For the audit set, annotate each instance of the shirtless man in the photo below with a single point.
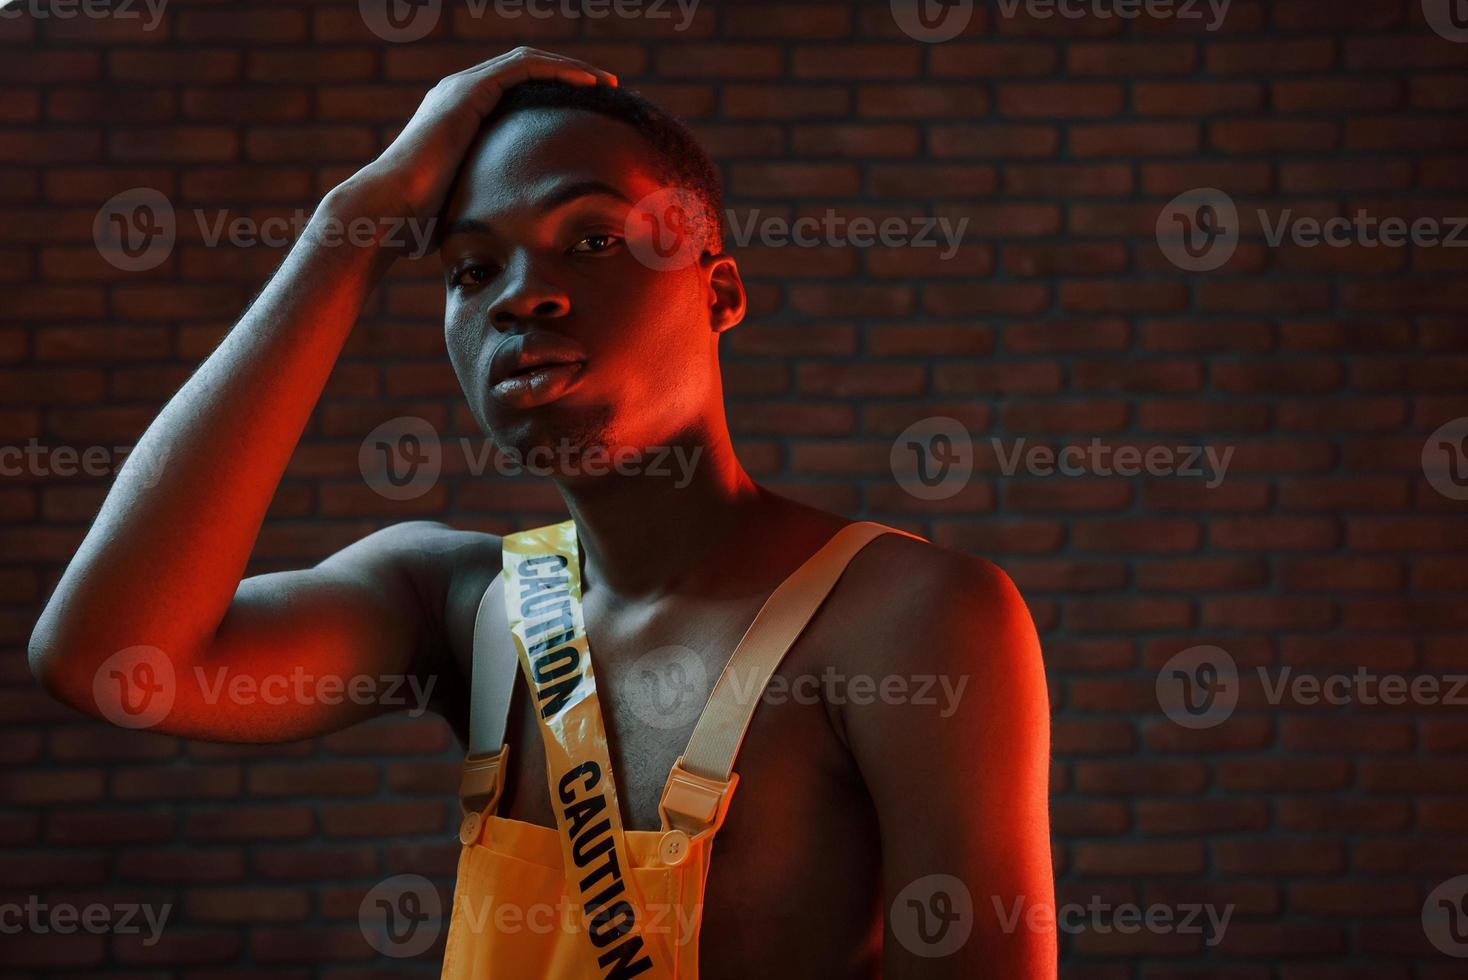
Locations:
(841, 803)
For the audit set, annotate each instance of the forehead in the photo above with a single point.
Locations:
(523, 158)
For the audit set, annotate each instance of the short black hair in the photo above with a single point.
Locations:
(681, 161)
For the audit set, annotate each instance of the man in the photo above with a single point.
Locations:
(564, 335)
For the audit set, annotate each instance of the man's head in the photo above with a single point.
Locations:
(584, 229)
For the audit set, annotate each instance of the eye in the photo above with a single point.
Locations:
(471, 274)
(600, 242)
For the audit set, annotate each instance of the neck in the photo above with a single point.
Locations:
(644, 534)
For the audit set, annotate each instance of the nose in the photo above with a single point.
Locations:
(528, 294)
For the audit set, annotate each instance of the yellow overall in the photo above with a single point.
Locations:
(632, 905)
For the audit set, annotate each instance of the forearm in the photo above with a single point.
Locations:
(164, 557)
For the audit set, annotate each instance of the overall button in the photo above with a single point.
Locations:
(469, 828)
(673, 847)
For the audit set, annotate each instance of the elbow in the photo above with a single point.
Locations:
(55, 663)
(45, 660)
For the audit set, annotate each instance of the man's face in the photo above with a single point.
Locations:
(559, 334)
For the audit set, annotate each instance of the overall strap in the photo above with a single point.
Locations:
(542, 594)
(702, 780)
(491, 685)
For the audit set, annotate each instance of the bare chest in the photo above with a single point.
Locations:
(800, 835)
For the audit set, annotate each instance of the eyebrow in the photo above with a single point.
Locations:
(559, 198)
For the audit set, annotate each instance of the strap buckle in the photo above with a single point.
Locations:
(480, 784)
(695, 804)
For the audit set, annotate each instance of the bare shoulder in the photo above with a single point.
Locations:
(906, 603)
(443, 568)
(954, 750)
(426, 556)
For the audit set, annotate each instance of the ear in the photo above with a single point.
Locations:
(726, 298)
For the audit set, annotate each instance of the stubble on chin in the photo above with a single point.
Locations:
(590, 430)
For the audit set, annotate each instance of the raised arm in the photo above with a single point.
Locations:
(162, 564)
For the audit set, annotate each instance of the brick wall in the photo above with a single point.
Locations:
(1063, 318)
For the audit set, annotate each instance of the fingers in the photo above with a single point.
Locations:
(524, 64)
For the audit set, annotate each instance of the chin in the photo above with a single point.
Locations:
(558, 428)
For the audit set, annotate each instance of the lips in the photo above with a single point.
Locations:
(522, 353)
